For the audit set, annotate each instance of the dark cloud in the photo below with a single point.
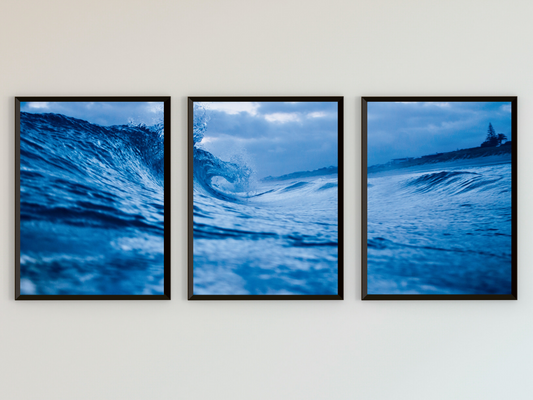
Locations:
(303, 107)
(276, 138)
(398, 130)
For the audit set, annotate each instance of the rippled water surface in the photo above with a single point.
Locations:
(441, 228)
(275, 236)
(92, 208)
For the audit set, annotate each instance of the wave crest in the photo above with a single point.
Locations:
(65, 160)
(451, 182)
(200, 120)
(207, 166)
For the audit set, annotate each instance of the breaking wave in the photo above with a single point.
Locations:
(88, 189)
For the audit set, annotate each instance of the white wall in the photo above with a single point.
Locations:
(266, 350)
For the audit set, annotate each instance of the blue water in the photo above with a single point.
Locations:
(91, 207)
(441, 228)
(271, 236)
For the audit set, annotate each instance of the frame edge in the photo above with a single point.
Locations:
(190, 176)
(190, 198)
(17, 199)
(364, 198)
(514, 202)
(166, 100)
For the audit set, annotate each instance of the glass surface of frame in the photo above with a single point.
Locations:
(265, 198)
(439, 190)
(92, 191)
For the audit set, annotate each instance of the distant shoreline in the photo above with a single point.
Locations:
(303, 174)
(464, 154)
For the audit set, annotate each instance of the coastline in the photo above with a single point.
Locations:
(454, 159)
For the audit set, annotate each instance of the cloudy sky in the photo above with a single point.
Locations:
(397, 130)
(101, 113)
(274, 138)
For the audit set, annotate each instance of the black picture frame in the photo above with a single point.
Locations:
(365, 103)
(165, 131)
(339, 100)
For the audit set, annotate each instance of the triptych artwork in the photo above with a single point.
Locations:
(265, 198)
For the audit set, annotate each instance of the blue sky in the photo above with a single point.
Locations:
(412, 129)
(101, 112)
(274, 138)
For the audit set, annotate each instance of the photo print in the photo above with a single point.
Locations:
(439, 198)
(92, 183)
(265, 198)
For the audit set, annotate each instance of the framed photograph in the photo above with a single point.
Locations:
(265, 198)
(439, 187)
(92, 191)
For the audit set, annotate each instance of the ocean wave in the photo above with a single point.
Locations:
(83, 186)
(207, 166)
(85, 174)
(440, 231)
(251, 236)
(237, 184)
(450, 182)
(90, 148)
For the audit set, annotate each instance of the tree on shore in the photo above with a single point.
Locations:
(501, 138)
(492, 138)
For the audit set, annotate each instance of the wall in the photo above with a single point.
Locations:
(266, 350)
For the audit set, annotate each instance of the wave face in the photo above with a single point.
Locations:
(276, 236)
(92, 207)
(440, 231)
